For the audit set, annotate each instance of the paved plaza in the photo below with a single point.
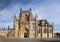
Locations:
(2, 39)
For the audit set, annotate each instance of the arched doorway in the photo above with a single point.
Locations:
(26, 34)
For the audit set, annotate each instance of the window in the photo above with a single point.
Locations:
(50, 30)
(46, 24)
(43, 23)
(45, 30)
(39, 31)
(27, 18)
(33, 25)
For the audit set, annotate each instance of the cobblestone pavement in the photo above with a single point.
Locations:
(2, 39)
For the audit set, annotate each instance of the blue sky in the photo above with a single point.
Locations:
(45, 9)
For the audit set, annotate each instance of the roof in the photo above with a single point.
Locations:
(46, 22)
(26, 11)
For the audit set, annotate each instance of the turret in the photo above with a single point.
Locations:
(8, 27)
(30, 10)
(4, 28)
(14, 21)
(15, 17)
(20, 10)
(36, 25)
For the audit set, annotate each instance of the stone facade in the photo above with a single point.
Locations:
(7, 33)
(27, 26)
(3, 32)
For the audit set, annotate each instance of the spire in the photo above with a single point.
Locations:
(20, 9)
(30, 10)
(4, 28)
(15, 16)
(8, 27)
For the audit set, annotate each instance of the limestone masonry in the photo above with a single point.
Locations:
(28, 26)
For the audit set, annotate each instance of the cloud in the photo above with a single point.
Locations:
(7, 15)
(5, 3)
(5, 25)
(49, 9)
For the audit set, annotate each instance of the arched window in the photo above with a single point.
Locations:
(27, 18)
(39, 31)
(33, 25)
(45, 30)
(50, 30)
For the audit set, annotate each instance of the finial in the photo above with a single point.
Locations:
(8, 27)
(4, 28)
(15, 16)
(20, 9)
(30, 9)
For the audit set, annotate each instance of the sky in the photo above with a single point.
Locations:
(45, 9)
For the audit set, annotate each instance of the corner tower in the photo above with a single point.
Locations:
(25, 21)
